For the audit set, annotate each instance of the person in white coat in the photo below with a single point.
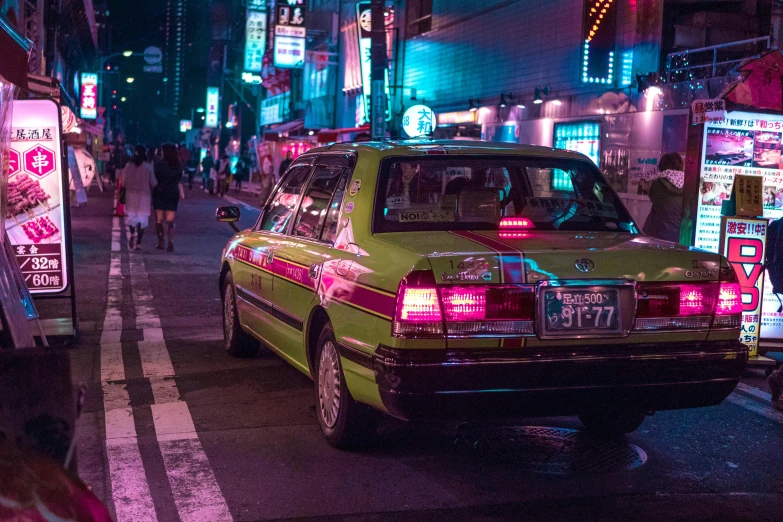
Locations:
(138, 180)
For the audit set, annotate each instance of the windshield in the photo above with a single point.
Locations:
(464, 192)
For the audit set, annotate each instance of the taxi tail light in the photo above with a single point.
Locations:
(666, 306)
(425, 309)
(418, 312)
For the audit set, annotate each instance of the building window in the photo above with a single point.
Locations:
(419, 17)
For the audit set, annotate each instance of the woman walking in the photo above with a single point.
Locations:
(138, 180)
(165, 197)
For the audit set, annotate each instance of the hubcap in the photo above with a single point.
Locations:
(228, 314)
(329, 384)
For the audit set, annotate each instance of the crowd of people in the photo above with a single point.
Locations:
(217, 175)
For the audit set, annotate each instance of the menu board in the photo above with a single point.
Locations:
(750, 144)
(34, 218)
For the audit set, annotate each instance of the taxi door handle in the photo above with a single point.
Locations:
(270, 256)
(312, 270)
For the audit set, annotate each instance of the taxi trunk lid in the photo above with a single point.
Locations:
(493, 257)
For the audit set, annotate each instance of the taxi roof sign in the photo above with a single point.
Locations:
(418, 121)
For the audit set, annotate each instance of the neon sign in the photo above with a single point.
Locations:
(599, 37)
(88, 103)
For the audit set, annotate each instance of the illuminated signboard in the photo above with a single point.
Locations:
(36, 227)
(255, 38)
(584, 137)
(185, 125)
(289, 51)
(750, 144)
(88, 103)
(743, 242)
(213, 107)
(452, 118)
(275, 109)
(599, 37)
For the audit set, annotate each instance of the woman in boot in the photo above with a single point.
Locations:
(138, 180)
(165, 197)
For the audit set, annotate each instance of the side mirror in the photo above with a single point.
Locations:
(228, 215)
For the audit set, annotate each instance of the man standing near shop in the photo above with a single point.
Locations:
(289, 158)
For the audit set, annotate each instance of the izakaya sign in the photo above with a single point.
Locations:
(88, 103)
(36, 216)
(255, 36)
(744, 242)
(213, 107)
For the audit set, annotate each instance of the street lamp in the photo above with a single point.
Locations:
(127, 53)
(123, 99)
(129, 79)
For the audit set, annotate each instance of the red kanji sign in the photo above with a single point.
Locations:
(39, 161)
(13, 162)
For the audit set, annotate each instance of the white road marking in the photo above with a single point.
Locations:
(756, 407)
(235, 201)
(750, 390)
(129, 489)
(195, 490)
(115, 246)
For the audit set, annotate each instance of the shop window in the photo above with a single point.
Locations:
(419, 17)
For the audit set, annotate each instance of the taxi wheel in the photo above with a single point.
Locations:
(611, 422)
(238, 342)
(344, 422)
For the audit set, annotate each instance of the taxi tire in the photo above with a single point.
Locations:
(611, 422)
(242, 344)
(355, 423)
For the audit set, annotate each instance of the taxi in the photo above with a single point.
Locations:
(428, 279)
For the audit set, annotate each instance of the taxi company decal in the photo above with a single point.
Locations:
(427, 215)
(355, 186)
(294, 272)
(349, 207)
(252, 257)
(511, 260)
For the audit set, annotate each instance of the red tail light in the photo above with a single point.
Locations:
(693, 305)
(424, 309)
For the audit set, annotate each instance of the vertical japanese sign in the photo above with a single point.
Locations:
(35, 223)
(213, 107)
(743, 242)
(363, 29)
(255, 35)
(290, 33)
(88, 100)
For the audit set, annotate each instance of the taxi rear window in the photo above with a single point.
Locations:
(472, 192)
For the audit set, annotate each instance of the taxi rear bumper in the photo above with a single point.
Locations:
(468, 383)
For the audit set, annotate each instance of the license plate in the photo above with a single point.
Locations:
(567, 310)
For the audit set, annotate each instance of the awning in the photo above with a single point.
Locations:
(331, 135)
(287, 128)
(15, 50)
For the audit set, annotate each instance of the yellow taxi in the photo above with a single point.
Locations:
(429, 279)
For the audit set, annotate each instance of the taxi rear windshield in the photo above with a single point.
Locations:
(464, 192)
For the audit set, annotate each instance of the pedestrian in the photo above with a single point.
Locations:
(289, 158)
(138, 179)
(223, 174)
(666, 196)
(184, 160)
(207, 164)
(242, 172)
(166, 195)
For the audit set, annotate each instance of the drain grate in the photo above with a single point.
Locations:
(556, 451)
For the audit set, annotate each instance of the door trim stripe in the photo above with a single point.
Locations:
(357, 356)
(270, 308)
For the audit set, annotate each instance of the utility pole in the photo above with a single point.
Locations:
(378, 71)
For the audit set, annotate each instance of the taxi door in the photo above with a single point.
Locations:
(256, 255)
(300, 257)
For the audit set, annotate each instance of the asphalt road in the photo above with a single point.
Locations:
(174, 428)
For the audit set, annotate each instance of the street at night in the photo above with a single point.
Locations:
(391, 260)
(257, 452)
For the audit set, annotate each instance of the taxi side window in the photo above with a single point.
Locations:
(316, 202)
(333, 216)
(281, 208)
